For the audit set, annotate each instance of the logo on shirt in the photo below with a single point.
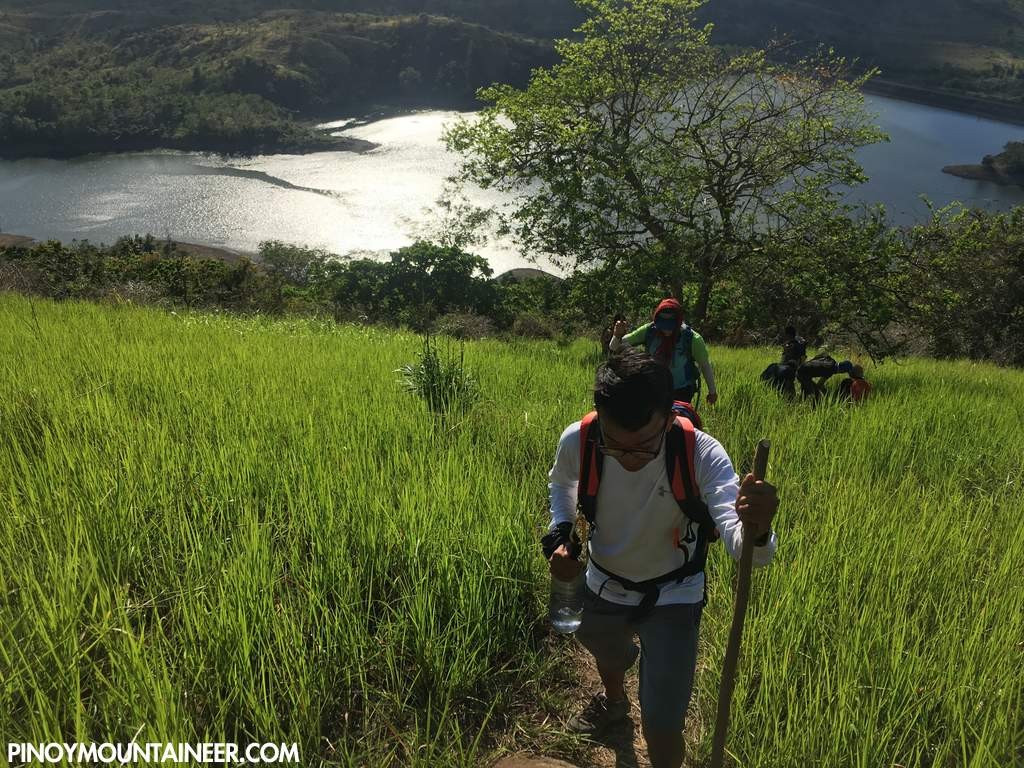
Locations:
(662, 490)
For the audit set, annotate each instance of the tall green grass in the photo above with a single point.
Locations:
(225, 529)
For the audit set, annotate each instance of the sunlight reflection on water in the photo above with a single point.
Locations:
(373, 202)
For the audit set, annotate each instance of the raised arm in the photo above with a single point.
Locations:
(620, 337)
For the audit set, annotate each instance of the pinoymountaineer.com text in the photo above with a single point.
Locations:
(134, 753)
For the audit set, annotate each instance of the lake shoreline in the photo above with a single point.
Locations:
(988, 173)
(1003, 111)
(322, 143)
(324, 136)
(370, 204)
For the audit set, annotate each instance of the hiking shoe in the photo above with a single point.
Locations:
(599, 715)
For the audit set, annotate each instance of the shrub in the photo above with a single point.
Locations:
(443, 381)
(464, 325)
(132, 292)
(23, 279)
(532, 326)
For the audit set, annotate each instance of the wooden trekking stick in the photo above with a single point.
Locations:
(732, 650)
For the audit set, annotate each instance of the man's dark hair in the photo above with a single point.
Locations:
(790, 331)
(631, 387)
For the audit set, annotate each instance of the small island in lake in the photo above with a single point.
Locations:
(1006, 168)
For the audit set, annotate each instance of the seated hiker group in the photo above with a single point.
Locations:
(655, 491)
(813, 374)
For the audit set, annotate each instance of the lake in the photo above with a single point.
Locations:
(375, 202)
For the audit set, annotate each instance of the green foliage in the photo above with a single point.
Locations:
(425, 280)
(417, 284)
(357, 287)
(442, 380)
(83, 270)
(1011, 159)
(841, 280)
(532, 325)
(951, 287)
(647, 143)
(964, 284)
(454, 222)
(537, 296)
(292, 263)
(464, 326)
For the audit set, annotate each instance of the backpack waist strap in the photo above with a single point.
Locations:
(651, 588)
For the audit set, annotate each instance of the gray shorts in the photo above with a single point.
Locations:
(668, 653)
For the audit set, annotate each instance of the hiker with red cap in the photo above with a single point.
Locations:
(674, 344)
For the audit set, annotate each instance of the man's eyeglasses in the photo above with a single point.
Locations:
(618, 453)
(640, 453)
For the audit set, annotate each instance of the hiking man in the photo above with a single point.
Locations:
(673, 343)
(641, 541)
(794, 348)
(782, 375)
(814, 374)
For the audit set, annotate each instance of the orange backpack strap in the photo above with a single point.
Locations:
(680, 462)
(591, 462)
(680, 450)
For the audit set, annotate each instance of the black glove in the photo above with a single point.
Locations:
(556, 537)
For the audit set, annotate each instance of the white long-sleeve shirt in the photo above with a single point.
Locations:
(637, 518)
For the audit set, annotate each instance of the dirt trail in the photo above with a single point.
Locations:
(623, 747)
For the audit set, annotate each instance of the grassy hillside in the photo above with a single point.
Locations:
(965, 47)
(101, 83)
(219, 528)
(539, 18)
(86, 75)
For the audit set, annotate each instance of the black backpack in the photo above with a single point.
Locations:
(813, 374)
(780, 376)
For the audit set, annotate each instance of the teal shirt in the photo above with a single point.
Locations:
(684, 369)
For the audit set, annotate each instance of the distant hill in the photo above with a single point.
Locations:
(108, 81)
(537, 18)
(965, 47)
(520, 274)
(251, 75)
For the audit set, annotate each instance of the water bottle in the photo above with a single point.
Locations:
(566, 605)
